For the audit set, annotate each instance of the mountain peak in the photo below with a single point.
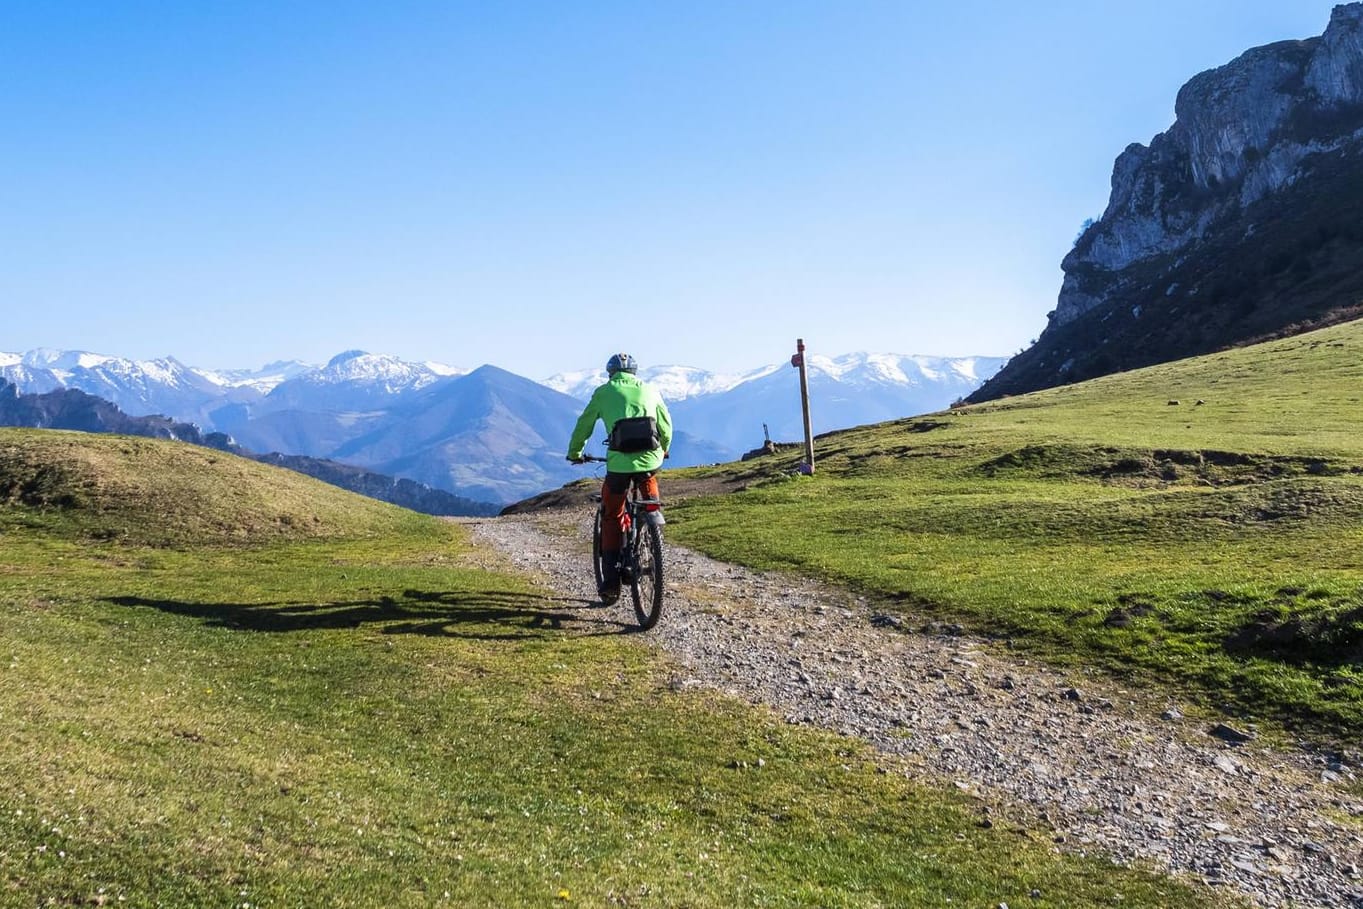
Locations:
(487, 370)
(48, 358)
(361, 366)
(345, 356)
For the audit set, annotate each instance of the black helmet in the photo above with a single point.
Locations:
(621, 362)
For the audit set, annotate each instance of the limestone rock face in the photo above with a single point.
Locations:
(1241, 132)
(1335, 73)
(1259, 154)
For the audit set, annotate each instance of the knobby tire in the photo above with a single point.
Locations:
(646, 587)
(597, 565)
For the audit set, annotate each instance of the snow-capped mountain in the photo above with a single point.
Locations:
(674, 383)
(220, 400)
(680, 383)
(845, 391)
(139, 387)
(354, 380)
(48, 358)
(262, 380)
(735, 410)
(859, 369)
(360, 367)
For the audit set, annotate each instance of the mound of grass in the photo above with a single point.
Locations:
(165, 493)
(354, 716)
(1197, 524)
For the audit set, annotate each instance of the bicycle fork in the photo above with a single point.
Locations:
(627, 554)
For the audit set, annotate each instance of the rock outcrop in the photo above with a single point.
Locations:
(1237, 223)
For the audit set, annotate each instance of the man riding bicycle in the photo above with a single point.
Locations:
(640, 433)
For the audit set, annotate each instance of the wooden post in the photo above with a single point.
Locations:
(798, 361)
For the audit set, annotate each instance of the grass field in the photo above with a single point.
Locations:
(223, 684)
(1196, 525)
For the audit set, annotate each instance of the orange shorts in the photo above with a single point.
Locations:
(614, 491)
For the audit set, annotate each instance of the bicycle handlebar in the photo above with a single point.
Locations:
(586, 458)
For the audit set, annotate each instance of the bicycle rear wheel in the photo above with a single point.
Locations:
(646, 586)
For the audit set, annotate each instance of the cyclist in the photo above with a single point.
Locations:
(639, 435)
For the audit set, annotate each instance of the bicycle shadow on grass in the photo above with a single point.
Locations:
(492, 615)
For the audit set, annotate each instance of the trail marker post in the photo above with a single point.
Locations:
(798, 361)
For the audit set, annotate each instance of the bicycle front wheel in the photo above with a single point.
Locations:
(647, 584)
(598, 565)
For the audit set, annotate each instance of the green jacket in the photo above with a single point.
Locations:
(623, 396)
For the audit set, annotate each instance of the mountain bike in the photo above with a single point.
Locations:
(641, 552)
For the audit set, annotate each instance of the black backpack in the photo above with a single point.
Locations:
(635, 434)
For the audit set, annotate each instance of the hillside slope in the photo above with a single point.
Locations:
(346, 715)
(171, 493)
(1198, 524)
(70, 408)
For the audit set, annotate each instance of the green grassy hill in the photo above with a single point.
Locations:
(223, 684)
(1197, 525)
(151, 491)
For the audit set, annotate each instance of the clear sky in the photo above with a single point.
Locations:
(539, 184)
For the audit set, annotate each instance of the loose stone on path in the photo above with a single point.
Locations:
(1140, 784)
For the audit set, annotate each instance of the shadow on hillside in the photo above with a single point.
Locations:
(479, 614)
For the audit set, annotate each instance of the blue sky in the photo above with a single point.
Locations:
(537, 185)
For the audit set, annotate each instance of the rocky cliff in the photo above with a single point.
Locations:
(1239, 222)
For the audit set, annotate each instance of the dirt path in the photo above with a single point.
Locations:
(1107, 770)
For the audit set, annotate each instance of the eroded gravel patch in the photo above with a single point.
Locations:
(1103, 768)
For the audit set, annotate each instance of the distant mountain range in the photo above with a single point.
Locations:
(488, 434)
(73, 409)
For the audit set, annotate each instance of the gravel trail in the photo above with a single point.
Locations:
(1106, 770)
